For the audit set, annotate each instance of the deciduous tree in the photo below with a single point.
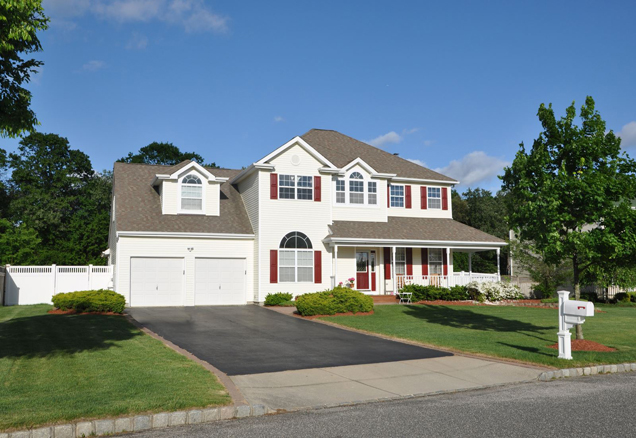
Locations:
(163, 153)
(572, 193)
(20, 21)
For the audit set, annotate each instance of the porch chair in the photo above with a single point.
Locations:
(405, 297)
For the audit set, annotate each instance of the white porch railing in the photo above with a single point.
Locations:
(456, 279)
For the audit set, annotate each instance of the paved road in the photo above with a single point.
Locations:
(249, 339)
(599, 406)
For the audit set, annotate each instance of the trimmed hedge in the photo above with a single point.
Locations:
(90, 301)
(625, 297)
(433, 293)
(329, 302)
(278, 298)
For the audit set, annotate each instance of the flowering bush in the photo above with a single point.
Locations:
(493, 291)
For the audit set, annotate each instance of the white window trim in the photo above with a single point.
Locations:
(440, 263)
(295, 198)
(296, 251)
(365, 193)
(428, 198)
(403, 196)
(204, 183)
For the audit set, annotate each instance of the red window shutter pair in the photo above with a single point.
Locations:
(273, 266)
(273, 186)
(409, 261)
(424, 199)
(444, 198)
(424, 261)
(407, 196)
(317, 188)
(387, 263)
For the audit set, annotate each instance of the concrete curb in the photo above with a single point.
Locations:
(137, 423)
(587, 371)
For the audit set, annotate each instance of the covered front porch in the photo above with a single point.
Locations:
(384, 270)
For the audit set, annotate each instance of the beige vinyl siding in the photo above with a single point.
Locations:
(178, 248)
(249, 189)
(212, 198)
(281, 216)
(170, 197)
(363, 213)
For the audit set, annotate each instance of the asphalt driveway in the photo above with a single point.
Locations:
(250, 339)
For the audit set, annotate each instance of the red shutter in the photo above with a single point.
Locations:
(317, 188)
(388, 196)
(387, 263)
(444, 198)
(407, 196)
(318, 266)
(424, 196)
(273, 266)
(424, 261)
(445, 261)
(409, 261)
(273, 186)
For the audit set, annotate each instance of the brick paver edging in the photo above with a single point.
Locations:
(586, 371)
(138, 423)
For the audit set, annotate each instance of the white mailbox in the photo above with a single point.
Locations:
(571, 313)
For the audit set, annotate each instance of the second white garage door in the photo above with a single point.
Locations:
(219, 281)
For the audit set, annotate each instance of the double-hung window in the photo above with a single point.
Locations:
(191, 193)
(295, 259)
(397, 195)
(372, 197)
(356, 188)
(340, 191)
(434, 197)
(435, 261)
(400, 261)
(295, 187)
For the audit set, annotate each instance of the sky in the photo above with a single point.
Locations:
(454, 86)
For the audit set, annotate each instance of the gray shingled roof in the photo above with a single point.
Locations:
(341, 150)
(406, 228)
(138, 205)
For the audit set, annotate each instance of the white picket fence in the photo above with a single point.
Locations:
(37, 284)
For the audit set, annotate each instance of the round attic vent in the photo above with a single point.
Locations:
(295, 159)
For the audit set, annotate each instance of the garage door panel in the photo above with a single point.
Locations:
(156, 281)
(219, 281)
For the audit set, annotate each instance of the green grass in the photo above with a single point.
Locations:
(58, 368)
(518, 333)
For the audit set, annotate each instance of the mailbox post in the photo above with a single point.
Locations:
(571, 313)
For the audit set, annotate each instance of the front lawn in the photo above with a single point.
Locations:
(58, 368)
(519, 333)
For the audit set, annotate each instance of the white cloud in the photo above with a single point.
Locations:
(628, 135)
(278, 119)
(416, 161)
(388, 138)
(410, 131)
(92, 66)
(429, 142)
(137, 42)
(193, 15)
(474, 168)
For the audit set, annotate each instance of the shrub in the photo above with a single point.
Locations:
(432, 293)
(90, 301)
(329, 302)
(622, 297)
(278, 298)
(493, 291)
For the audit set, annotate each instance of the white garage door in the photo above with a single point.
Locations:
(219, 281)
(156, 281)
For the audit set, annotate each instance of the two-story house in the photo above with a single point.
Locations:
(317, 211)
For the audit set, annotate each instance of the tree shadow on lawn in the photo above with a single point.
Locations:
(466, 319)
(51, 335)
(533, 350)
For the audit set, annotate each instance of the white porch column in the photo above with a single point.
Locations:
(393, 270)
(448, 272)
(470, 266)
(335, 269)
(498, 267)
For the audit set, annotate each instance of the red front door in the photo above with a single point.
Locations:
(372, 269)
(362, 270)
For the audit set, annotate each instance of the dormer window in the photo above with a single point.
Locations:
(356, 190)
(191, 193)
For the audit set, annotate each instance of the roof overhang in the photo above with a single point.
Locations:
(417, 180)
(466, 245)
(248, 170)
(193, 165)
(185, 235)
